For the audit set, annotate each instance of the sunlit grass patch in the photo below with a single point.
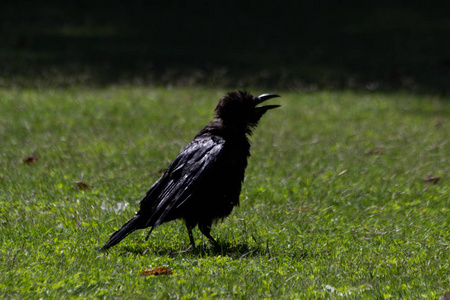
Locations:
(333, 205)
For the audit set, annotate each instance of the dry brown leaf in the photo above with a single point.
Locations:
(438, 123)
(156, 271)
(30, 159)
(446, 296)
(431, 178)
(82, 186)
(373, 151)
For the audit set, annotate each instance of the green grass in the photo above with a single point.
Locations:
(333, 206)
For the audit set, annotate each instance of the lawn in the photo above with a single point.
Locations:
(334, 203)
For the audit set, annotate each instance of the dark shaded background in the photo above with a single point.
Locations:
(298, 45)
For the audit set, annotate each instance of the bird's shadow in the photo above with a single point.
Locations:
(240, 250)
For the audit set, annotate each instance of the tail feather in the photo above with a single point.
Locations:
(137, 222)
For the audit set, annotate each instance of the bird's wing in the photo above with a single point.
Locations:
(183, 177)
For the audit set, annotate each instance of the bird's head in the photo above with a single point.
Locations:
(241, 110)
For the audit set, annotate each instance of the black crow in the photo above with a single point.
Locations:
(203, 183)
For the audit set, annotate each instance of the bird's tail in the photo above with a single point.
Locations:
(137, 222)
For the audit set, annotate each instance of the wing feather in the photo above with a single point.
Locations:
(182, 179)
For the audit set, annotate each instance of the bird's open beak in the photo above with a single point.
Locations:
(265, 97)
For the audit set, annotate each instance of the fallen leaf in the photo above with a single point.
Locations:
(373, 151)
(156, 271)
(30, 159)
(438, 123)
(82, 186)
(446, 296)
(431, 178)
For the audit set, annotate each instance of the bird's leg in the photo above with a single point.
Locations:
(191, 238)
(206, 229)
(191, 247)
